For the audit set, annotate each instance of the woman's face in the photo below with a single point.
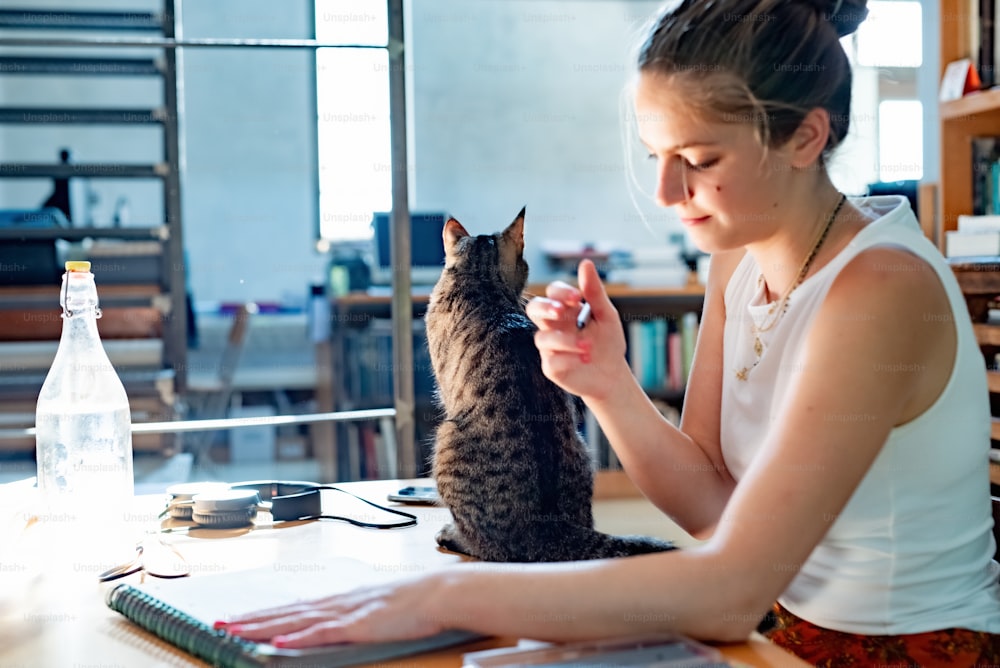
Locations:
(722, 184)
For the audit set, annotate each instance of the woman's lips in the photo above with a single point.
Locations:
(695, 221)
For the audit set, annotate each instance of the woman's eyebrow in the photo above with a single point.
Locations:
(681, 147)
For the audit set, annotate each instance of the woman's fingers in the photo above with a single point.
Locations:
(592, 289)
(560, 341)
(562, 292)
(268, 614)
(278, 626)
(549, 313)
(327, 633)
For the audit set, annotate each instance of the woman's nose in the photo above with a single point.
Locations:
(672, 186)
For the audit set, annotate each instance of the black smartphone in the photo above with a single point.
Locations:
(420, 495)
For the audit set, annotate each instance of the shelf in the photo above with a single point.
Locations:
(45, 296)
(993, 381)
(77, 20)
(987, 335)
(979, 279)
(972, 105)
(158, 233)
(638, 302)
(62, 170)
(62, 116)
(995, 429)
(80, 66)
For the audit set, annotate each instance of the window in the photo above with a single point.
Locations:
(352, 99)
(886, 51)
(890, 36)
(900, 140)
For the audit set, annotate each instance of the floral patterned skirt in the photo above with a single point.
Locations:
(954, 648)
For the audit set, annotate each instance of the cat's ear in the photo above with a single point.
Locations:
(515, 231)
(453, 233)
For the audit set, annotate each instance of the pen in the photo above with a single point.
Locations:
(584, 316)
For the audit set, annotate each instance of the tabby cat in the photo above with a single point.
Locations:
(508, 460)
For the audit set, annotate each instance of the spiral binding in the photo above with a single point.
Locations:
(181, 629)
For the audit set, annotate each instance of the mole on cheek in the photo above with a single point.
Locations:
(718, 189)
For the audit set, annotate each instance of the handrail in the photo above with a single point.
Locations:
(234, 423)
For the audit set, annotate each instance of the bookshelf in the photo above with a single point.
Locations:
(975, 114)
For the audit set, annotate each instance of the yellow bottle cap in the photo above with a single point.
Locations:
(77, 265)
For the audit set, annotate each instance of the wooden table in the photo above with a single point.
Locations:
(52, 611)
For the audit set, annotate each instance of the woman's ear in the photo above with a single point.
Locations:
(808, 141)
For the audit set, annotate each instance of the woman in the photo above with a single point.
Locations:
(833, 447)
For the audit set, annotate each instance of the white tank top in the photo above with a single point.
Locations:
(913, 549)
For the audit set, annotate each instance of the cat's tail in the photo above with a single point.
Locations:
(579, 543)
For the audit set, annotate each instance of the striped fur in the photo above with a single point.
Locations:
(508, 460)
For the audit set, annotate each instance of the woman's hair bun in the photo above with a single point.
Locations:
(845, 15)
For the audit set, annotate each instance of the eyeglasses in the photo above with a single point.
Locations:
(153, 556)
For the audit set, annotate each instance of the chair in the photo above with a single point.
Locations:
(212, 401)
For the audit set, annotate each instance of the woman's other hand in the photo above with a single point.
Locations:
(587, 362)
(401, 610)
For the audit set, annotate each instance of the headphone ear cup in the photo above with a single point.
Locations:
(179, 512)
(232, 508)
(182, 495)
(225, 519)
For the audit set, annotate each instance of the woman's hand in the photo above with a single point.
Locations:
(401, 610)
(587, 362)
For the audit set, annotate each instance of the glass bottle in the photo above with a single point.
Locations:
(83, 430)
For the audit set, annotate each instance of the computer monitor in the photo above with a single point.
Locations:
(426, 248)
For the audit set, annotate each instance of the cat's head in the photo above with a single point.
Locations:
(487, 257)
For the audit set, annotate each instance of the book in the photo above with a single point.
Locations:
(675, 363)
(667, 650)
(985, 170)
(966, 244)
(636, 350)
(182, 611)
(988, 223)
(689, 335)
(986, 52)
(959, 79)
(658, 343)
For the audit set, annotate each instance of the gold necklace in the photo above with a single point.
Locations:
(778, 308)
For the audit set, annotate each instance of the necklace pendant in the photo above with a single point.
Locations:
(742, 373)
(758, 346)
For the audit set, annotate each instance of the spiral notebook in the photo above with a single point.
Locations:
(182, 611)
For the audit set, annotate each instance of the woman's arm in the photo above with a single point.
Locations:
(680, 471)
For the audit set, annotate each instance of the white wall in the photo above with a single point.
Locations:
(517, 103)
(249, 127)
